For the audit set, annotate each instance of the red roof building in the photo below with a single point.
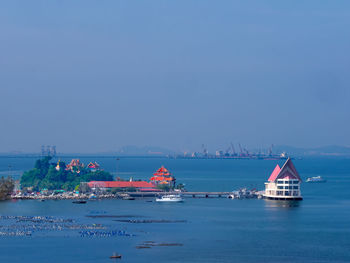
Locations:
(120, 184)
(284, 183)
(162, 176)
(75, 165)
(93, 166)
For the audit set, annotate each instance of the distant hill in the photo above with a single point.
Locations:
(145, 150)
(149, 151)
(332, 150)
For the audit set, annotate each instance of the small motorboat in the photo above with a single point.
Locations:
(79, 202)
(316, 179)
(128, 197)
(170, 198)
(115, 255)
(231, 196)
(92, 196)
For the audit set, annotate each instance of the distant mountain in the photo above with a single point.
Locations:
(145, 150)
(129, 150)
(132, 150)
(332, 150)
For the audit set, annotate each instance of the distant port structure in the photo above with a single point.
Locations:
(48, 150)
(232, 153)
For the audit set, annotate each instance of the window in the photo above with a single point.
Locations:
(296, 182)
(279, 187)
(286, 193)
(295, 187)
(279, 181)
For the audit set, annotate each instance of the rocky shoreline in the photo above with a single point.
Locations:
(66, 197)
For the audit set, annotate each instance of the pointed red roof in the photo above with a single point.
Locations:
(162, 171)
(287, 171)
(274, 174)
(93, 165)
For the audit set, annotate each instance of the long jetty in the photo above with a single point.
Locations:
(240, 194)
(188, 194)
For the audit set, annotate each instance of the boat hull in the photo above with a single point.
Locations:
(169, 200)
(319, 181)
(284, 198)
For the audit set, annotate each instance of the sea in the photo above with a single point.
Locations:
(316, 229)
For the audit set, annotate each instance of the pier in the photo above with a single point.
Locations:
(193, 194)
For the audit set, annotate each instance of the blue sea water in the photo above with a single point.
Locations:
(316, 229)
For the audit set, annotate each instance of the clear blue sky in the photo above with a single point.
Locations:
(92, 76)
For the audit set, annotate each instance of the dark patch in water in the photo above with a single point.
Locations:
(149, 244)
(141, 247)
(149, 221)
(113, 216)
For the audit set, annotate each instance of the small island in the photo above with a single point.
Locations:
(53, 176)
(75, 180)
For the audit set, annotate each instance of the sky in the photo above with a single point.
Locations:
(93, 76)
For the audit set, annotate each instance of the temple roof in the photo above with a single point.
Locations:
(162, 171)
(287, 171)
(274, 174)
(161, 178)
(75, 162)
(93, 165)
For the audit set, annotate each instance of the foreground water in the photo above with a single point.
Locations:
(316, 229)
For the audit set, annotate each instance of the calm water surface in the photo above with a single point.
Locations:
(316, 229)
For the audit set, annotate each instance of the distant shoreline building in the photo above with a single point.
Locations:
(283, 183)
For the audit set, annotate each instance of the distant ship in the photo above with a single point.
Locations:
(316, 179)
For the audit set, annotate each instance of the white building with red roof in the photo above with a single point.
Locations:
(284, 183)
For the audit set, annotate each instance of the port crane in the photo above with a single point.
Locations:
(227, 152)
(241, 150)
(233, 149)
(270, 150)
(205, 151)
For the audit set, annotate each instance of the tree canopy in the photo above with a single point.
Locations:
(45, 175)
(6, 187)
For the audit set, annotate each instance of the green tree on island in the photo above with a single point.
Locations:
(6, 187)
(45, 175)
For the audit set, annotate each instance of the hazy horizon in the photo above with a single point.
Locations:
(91, 76)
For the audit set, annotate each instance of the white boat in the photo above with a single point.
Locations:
(316, 179)
(92, 196)
(170, 198)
